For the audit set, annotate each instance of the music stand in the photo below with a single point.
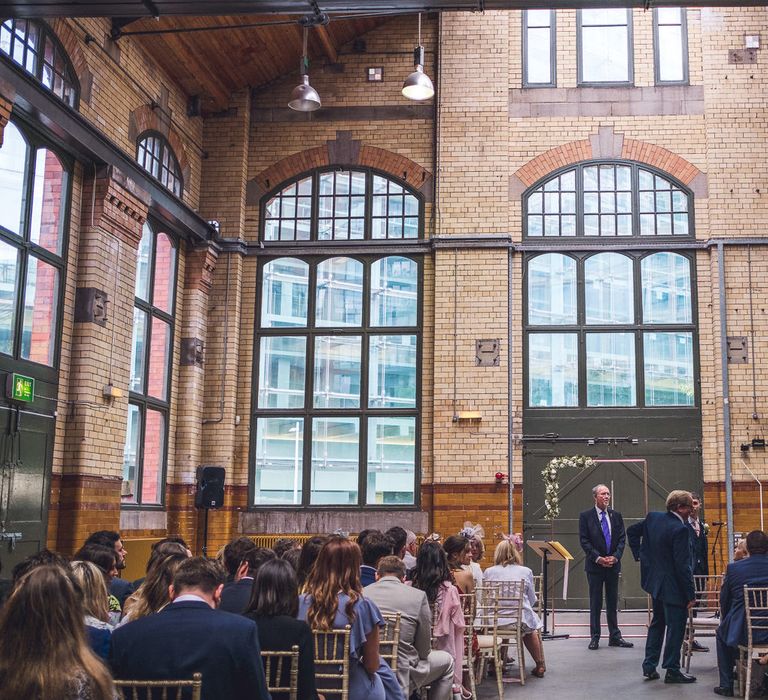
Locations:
(549, 551)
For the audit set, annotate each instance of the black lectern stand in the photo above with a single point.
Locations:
(548, 551)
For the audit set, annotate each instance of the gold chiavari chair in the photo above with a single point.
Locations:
(469, 609)
(508, 599)
(279, 665)
(332, 662)
(159, 690)
(704, 618)
(756, 611)
(389, 639)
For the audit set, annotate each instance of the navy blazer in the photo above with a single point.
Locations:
(752, 571)
(593, 542)
(236, 595)
(662, 544)
(699, 548)
(190, 637)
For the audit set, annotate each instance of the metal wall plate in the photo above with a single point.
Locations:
(738, 349)
(487, 352)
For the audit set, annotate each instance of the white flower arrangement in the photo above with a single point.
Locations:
(551, 484)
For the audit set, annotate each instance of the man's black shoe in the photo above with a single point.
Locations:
(623, 643)
(651, 675)
(678, 677)
(698, 647)
(594, 644)
(724, 691)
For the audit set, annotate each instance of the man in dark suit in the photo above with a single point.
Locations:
(237, 593)
(191, 636)
(662, 544)
(752, 571)
(602, 537)
(699, 548)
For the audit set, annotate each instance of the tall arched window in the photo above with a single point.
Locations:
(155, 155)
(33, 46)
(607, 329)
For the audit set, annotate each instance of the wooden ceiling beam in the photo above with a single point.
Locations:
(329, 47)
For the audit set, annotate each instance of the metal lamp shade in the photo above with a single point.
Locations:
(304, 97)
(418, 86)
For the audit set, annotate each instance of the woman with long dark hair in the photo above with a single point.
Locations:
(273, 606)
(332, 599)
(44, 653)
(153, 595)
(309, 551)
(457, 549)
(433, 576)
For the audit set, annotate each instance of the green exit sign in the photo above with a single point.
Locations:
(21, 388)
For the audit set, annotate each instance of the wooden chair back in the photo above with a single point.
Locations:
(756, 613)
(281, 669)
(332, 662)
(160, 690)
(389, 639)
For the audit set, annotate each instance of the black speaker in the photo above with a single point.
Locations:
(210, 487)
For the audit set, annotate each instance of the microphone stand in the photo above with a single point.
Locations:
(714, 545)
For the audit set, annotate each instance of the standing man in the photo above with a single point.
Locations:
(602, 537)
(662, 544)
(699, 547)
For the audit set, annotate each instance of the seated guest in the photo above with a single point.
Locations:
(159, 549)
(333, 599)
(459, 555)
(273, 607)
(95, 606)
(44, 653)
(41, 558)
(432, 575)
(153, 595)
(475, 534)
(191, 636)
(740, 551)
(411, 547)
(118, 587)
(292, 556)
(508, 566)
(234, 553)
(309, 551)
(283, 545)
(417, 664)
(237, 593)
(375, 546)
(106, 558)
(752, 571)
(399, 537)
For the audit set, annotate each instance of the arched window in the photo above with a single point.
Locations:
(343, 205)
(34, 196)
(607, 330)
(608, 200)
(335, 393)
(155, 155)
(145, 452)
(33, 46)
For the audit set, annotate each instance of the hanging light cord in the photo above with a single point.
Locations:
(304, 60)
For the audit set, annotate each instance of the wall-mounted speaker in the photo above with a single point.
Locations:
(210, 487)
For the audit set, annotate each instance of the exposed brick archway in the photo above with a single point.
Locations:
(343, 151)
(609, 144)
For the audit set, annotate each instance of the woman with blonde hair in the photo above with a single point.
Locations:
(44, 653)
(95, 605)
(508, 566)
(152, 596)
(332, 599)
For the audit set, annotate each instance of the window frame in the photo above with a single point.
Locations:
(580, 81)
(314, 217)
(363, 412)
(637, 327)
(579, 239)
(143, 400)
(552, 51)
(165, 147)
(27, 248)
(45, 32)
(684, 48)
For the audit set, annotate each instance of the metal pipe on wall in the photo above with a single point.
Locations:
(726, 400)
(510, 417)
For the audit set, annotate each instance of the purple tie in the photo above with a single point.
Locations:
(606, 531)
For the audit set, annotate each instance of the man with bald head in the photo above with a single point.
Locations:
(602, 537)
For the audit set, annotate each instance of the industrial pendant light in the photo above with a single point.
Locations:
(304, 97)
(417, 85)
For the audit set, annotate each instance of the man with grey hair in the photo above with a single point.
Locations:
(602, 537)
(662, 544)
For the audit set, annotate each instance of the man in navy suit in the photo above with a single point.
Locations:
(602, 537)
(236, 593)
(699, 547)
(662, 544)
(191, 636)
(752, 571)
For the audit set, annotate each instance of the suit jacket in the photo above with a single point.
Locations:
(593, 542)
(662, 544)
(752, 571)
(236, 595)
(367, 575)
(415, 627)
(699, 549)
(189, 637)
